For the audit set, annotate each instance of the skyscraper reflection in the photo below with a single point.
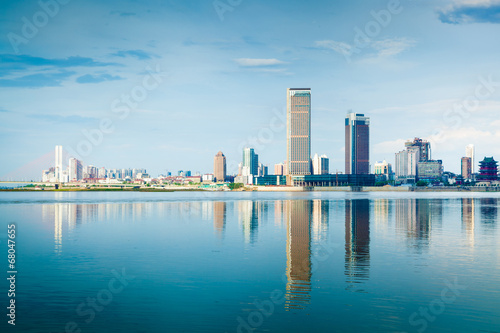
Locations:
(357, 241)
(248, 217)
(489, 211)
(58, 218)
(320, 219)
(414, 219)
(219, 218)
(469, 218)
(298, 250)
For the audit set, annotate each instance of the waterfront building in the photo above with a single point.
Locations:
(298, 141)
(430, 170)
(466, 168)
(250, 164)
(423, 146)
(75, 169)
(470, 151)
(357, 144)
(320, 165)
(220, 167)
(279, 169)
(488, 170)
(58, 163)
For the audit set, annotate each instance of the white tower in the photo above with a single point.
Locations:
(470, 151)
(58, 166)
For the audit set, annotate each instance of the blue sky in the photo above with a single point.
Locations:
(221, 70)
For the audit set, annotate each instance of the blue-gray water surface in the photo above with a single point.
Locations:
(252, 262)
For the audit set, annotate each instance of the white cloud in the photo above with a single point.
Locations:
(391, 47)
(249, 62)
(339, 47)
(389, 147)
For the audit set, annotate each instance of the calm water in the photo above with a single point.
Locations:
(232, 262)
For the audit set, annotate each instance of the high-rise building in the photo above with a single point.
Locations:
(250, 162)
(298, 141)
(466, 167)
(423, 146)
(279, 169)
(357, 144)
(406, 164)
(262, 171)
(470, 151)
(58, 163)
(220, 167)
(320, 165)
(75, 169)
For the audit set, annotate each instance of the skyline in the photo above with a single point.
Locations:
(204, 74)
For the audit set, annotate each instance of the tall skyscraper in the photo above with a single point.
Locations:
(298, 141)
(470, 151)
(250, 162)
(466, 167)
(58, 166)
(357, 144)
(220, 167)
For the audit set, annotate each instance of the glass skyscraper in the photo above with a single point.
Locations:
(298, 139)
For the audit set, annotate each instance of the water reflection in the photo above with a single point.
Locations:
(298, 252)
(248, 217)
(469, 218)
(489, 210)
(413, 219)
(357, 241)
(219, 218)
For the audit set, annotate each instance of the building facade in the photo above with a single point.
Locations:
(466, 168)
(357, 144)
(423, 146)
(320, 165)
(58, 163)
(298, 157)
(75, 169)
(279, 169)
(250, 164)
(430, 170)
(488, 170)
(220, 167)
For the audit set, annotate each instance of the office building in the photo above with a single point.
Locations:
(75, 169)
(466, 168)
(298, 141)
(383, 170)
(357, 144)
(423, 146)
(262, 170)
(430, 170)
(470, 151)
(320, 165)
(279, 169)
(250, 164)
(220, 167)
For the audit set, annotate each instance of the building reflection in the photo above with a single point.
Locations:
(219, 218)
(414, 219)
(248, 217)
(357, 241)
(298, 215)
(320, 219)
(469, 218)
(489, 211)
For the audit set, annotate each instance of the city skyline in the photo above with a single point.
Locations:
(411, 80)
